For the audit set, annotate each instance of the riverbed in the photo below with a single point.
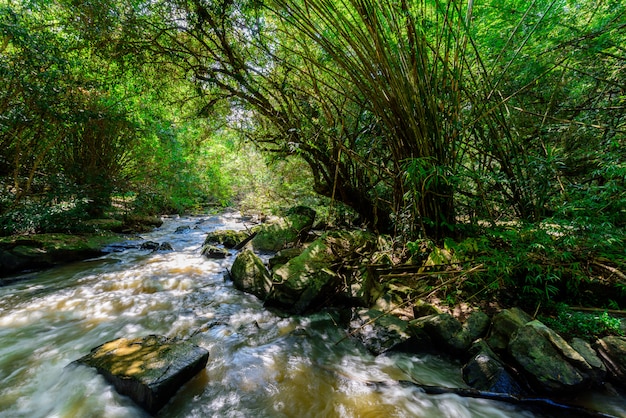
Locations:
(261, 364)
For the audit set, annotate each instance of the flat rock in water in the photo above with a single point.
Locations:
(150, 369)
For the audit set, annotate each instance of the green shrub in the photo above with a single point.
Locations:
(585, 325)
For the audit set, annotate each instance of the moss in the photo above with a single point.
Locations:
(19, 253)
(227, 238)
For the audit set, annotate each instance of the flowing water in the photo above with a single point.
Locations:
(260, 365)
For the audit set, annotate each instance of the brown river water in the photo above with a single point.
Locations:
(260, 365)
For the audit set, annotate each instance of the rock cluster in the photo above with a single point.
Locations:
(508, 353)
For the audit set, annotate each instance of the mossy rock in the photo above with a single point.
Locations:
(213, 252)
(307, 281)
(228, 238)
(140, 223)
(504, 325)
(283, 256)
(285, 231)
(445, 331)
(32, 252)
(548, 360)
(250, 275)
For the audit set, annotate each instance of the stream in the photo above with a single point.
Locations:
(260, 365)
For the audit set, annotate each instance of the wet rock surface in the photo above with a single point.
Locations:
(149, 370)
(249, 275)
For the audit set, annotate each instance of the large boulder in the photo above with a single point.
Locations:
(308, 280)
(285, 231)
(548, 360)
(250, 275)
(149, 370)
(598, 369)
(445, 331)
(612, 350)
(477, 325)
(283, 256)
(504, 325)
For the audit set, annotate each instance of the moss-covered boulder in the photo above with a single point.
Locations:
(446, 332)
(284, 231)
(149, 370)
(548, 360)
(226, 237)
(504, 325)
(309, 281)
(34, 252)
(283, 256)
(249, 274)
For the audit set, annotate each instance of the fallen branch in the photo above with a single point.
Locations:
(613, 270)
(410, 300)
(543, 404)
(245, 241)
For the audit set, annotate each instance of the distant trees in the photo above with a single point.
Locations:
(424, 117)
(83, 118)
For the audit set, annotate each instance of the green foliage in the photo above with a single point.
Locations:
(35, 217)
(535, 263)
(585, 325)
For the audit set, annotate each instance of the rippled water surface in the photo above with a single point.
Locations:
(260, 365)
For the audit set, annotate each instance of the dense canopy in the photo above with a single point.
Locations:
(429, 120)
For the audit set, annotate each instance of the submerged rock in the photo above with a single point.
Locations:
(165, 246)
(183, 229)
(150, 246)
(149, 370)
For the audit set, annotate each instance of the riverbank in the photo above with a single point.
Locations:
(24, 253)
(398, 306)
(179, 293)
